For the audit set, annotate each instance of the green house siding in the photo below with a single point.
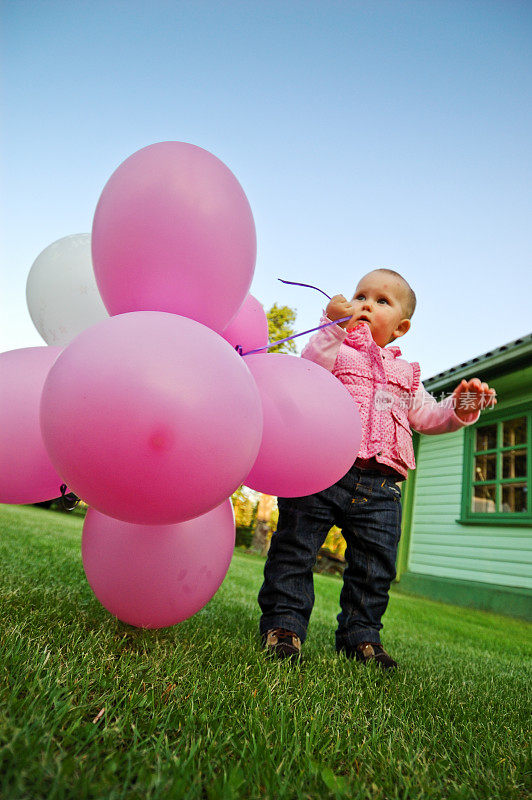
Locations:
(483, 565)
(443, 547)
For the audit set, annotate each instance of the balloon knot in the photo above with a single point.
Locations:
(69, 500)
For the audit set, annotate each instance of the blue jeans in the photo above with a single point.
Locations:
(366, 505)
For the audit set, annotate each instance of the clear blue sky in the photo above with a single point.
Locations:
(379, 133)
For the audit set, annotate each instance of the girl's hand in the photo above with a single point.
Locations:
(472, 396)
(339, 307)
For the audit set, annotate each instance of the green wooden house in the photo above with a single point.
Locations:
(467, 508)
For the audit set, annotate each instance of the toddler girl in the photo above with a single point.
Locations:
(366, 502)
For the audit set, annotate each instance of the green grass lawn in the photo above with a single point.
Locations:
(92, 708)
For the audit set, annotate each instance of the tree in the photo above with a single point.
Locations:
(335, 543)
(245, 503)
(263, 523)
(280, 319)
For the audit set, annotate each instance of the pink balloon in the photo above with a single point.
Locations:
(151, 417)
(249, 328)
(26, 472)
(155, 576)
(311, 432)
(173, 231)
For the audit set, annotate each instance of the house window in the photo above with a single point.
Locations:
(497, 469)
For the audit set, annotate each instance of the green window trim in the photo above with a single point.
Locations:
(499, 518)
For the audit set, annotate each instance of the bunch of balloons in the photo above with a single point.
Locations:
(145, 404)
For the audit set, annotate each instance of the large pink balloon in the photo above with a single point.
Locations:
(151, 417)
(173, 231)
(155, 576)
(249, 328)
(26, 472)
(311, 432)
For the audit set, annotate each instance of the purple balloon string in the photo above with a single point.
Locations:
(273, 344)
(238, 348)
(308, 286)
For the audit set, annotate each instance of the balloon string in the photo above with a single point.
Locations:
(238, 348)
(308, 286)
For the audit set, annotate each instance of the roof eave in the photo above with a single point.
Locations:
(505, 359)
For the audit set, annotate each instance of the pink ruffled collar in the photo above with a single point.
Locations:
(361, 337)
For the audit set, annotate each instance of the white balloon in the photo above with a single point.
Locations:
(61, 291)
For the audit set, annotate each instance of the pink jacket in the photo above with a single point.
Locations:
(390, 397)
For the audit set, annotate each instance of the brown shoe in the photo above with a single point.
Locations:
(280, 643)
(370, 651)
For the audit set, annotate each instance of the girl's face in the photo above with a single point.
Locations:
(379, 300)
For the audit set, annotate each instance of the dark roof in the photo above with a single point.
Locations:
(503, 359)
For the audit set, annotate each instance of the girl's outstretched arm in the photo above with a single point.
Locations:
(472, 396)
(426, 415)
